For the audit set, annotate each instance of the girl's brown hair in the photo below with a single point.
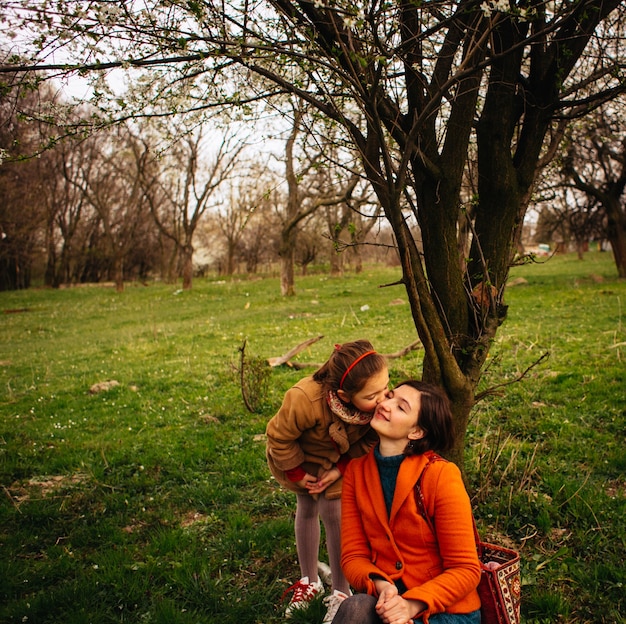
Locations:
(434, 418)
(350, 366)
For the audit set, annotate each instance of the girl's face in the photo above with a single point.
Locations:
(396, 418)
(371, 394)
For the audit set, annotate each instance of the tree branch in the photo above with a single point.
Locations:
(493, 389)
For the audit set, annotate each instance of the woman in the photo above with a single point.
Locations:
(404, 570)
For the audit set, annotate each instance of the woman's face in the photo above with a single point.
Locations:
(396, 418)
(371, 394)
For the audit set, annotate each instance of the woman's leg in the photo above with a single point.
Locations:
(307, 528)
(330, 512)
(357, 609)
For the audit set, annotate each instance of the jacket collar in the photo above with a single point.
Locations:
(410, 470)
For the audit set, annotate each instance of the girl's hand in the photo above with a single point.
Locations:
(307, 481)
(328, 477)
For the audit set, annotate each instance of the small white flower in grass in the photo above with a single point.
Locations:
(365, 308)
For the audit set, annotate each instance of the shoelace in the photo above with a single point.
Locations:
(301, 591)
(332, 602)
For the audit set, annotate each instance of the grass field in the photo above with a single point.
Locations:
(151, 502)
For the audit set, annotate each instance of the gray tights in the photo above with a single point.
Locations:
(307, 528)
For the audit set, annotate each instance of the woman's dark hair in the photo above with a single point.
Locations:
(350, 366)
(434, 418)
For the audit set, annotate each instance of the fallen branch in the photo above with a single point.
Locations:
(398, 354)
(11, 499)
(244, 394)
(284, 359)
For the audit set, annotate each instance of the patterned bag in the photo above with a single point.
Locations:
(500, 581)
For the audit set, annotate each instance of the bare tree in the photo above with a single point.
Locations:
(305, 195)
(23, 218)
(236, 213)
(595, 168)
(183, 189)
(565, 216)
(111, 183)
(65, 206)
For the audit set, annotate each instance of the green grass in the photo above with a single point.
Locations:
(152, 502)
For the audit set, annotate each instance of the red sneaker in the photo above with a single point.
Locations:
(303, 592)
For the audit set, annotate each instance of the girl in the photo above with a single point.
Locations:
(407, 571)
(322, 424)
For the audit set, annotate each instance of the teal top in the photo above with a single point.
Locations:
(388, 468)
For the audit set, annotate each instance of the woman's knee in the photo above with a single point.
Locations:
(359, 608)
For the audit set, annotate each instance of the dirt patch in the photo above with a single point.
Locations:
(616, 488)
(191, 518)
(42, 487)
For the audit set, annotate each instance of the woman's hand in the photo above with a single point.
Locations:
(326, 478)
(393, 608)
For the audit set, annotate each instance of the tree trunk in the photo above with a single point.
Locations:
(287, 253)
(336, 261)
(287, 279)
(616, 233)
(118, 272)
(187, 259)
(230, 257)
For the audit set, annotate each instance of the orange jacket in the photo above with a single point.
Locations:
(442, 571)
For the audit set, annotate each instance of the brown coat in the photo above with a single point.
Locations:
(304, 432)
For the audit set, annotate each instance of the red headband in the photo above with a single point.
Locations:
(353, 365)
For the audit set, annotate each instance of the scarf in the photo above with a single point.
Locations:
(349, 415)
(344, 415)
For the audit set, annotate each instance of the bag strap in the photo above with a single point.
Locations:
(421, 504)
(419, 496)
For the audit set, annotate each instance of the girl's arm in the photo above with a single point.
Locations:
(285, 429)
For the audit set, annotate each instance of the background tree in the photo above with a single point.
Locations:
(308, 189)
(23, 218)
(111, 183)
(181, 191)
(348, 226)
(564, 216)
(235, 214)
(66, 207)
(594, 167)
